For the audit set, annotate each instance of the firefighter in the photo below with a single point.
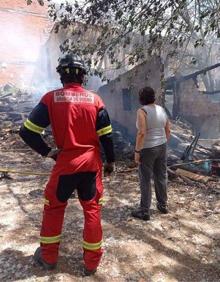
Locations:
(79, 120)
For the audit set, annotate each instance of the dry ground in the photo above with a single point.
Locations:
(181, 246)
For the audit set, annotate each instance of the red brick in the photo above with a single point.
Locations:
(24, 30)
(21, 5)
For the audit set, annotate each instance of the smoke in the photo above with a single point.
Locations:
(22, 35)
(18, 42)
(26, 59)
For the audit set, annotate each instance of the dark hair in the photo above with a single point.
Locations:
(146, 96)
(69, 75)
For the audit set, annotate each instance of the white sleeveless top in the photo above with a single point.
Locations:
(156, 118)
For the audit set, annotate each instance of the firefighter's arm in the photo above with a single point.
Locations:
(33, 127)
(104, 131)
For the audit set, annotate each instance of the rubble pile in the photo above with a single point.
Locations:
(124, 150)
(215, 152)
(182, 136)
(190, 162)
(123, 142)
(14, 105)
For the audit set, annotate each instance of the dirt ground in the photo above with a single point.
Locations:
(181, 246)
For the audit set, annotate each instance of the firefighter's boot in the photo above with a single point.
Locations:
(88, 272)
(39, 261)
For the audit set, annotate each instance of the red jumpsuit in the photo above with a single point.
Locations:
(72, 113)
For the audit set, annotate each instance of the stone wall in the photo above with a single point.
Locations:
(199, 109)
(121, 94)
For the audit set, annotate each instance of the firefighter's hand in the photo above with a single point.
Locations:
(53, 154)
(108, 168)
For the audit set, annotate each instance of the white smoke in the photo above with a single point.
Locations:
(20, 46)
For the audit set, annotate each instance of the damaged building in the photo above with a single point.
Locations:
(120, 89)
(201, 108)
(121, 94)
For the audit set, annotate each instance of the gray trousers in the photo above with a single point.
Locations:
(153, 163)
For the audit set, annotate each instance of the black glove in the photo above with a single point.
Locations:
(53, 154)
(108, 168)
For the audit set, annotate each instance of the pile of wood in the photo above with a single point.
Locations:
(203, 166)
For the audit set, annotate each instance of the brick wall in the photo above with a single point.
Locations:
(24, 30)
(21, 5)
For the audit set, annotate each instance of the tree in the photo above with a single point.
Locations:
(204, 35)
(150, 26)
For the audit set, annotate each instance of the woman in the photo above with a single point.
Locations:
(151, 153)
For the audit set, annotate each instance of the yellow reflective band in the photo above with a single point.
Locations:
(102, 201)
(92, 246)
(33, 127)
(105, 130)
(50, 240)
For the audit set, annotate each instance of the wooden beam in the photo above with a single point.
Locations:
(195, 74)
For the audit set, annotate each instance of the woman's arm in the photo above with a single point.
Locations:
(141, 122)
(142, 127)
(167, 130)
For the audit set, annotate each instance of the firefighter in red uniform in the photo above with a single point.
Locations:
(79, 120)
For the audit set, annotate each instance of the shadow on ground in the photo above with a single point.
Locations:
(15, 265)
